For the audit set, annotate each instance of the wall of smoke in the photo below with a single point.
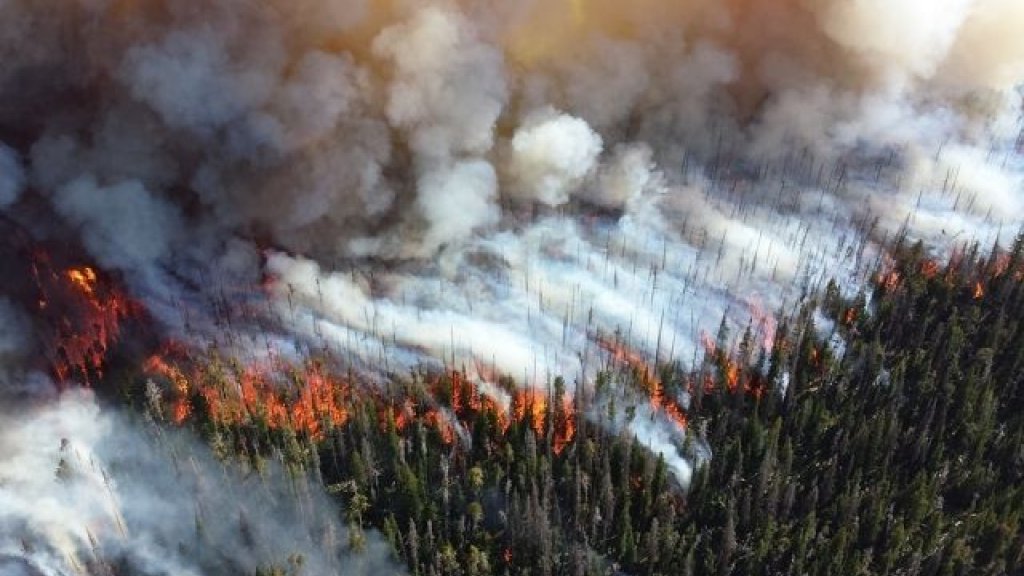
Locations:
(504, 183)
(393, 129)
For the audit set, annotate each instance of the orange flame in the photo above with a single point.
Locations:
(440, 421)
(565, 425)
(530, 405)
(891, 280)
(281, 395)
(649, 379)
(405, 416)
(730, 366)
(182, 409)
(929, 268)
(979, 290)
(84, 278)
(850, 316)
(85, 312)
(732, 375)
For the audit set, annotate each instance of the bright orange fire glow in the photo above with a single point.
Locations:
(440, 421)
(530, 406)
(405, 415)
(735, 377)
(979, 290)
(85, 312)
(649, 379)
(929, 268)
(565, 426)
(179, 382)
(890, 280)
(732, 375)
(281, 395)
(307, 399)
(84, 278)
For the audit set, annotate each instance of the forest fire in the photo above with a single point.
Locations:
(730, 367)
(156, 365)
(652, 384)
(310, 401)
(281, 395)
(929, 268)
(530, 406)
(1000, 266)
(441, 423)
(763, 322)
(890, 280)
(850, 316)
(83, 312)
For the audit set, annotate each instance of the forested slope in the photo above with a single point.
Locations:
(879, 434)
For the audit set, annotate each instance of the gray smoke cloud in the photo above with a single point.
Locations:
(421, 181)
(123, 226)
(15, 345)
(12, 177)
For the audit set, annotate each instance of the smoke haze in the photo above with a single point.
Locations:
(421, 182)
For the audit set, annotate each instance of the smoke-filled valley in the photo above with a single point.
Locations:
(340, 286)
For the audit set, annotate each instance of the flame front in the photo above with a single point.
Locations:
(305, 398)
(649, 380)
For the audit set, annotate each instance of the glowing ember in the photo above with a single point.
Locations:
(979, 290)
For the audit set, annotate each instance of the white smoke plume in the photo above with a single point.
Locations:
(551, 154)
(501, 184)
(83, 491)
